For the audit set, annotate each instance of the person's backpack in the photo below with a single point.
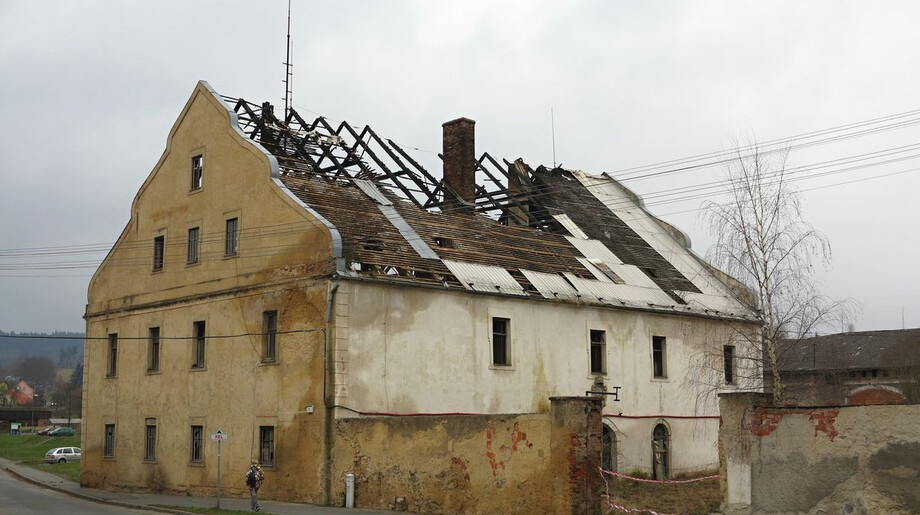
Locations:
(251, 477)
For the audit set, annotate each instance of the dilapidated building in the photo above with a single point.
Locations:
(317, 294)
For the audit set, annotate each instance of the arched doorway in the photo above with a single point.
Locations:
(661, 444)
(608, 448)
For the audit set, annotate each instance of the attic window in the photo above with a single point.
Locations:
(197, 172)
(447, 243)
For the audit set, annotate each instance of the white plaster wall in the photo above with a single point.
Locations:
(417, 350)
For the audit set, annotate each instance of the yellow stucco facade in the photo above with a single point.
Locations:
(148, 287)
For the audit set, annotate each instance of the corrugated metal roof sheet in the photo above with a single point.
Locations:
(551, 286)
(619, 294)
(570, 226)
(484, 278)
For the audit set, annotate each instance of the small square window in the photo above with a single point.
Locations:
(197, 172)
(270, 336)
(159, 250)
(108, 446)
(267, 445)
(153, 353)
(659, 357)
(598, 352)
(194, 245)
(232, 237)
(501, 353)
(199, 328)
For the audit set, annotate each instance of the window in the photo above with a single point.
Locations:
(659, 357)
(232, 240)
(501, 357)
(108, 446)
(197, 172)
(199, 345)
(150, 449)
(728, 355)
(197, 443)
(159, 247)
(194, 243)
(267, 445)
(270, 336)
(598, 352)
(153, 355)
(113, 354)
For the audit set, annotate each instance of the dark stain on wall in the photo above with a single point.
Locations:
(896, 471)
(776, 490)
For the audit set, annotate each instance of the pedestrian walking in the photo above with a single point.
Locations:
(254, 478)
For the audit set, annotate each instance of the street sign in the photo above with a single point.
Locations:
(219, 435)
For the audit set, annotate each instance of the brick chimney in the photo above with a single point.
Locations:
(459, 151)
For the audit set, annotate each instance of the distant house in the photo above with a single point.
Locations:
(866, 367)
(22, 394)
(288, 281)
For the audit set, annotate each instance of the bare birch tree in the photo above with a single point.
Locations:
(762, 240)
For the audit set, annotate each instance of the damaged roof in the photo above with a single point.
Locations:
(484, 224)
(852, 351)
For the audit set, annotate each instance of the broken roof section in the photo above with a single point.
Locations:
(484, 224)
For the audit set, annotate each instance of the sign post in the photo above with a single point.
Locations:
(219, 436)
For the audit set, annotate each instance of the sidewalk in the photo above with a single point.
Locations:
(155, 502)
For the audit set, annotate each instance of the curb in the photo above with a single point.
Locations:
(87, 497)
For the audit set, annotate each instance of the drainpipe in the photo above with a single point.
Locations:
(330, 298)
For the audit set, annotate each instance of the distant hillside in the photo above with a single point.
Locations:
(65, 349)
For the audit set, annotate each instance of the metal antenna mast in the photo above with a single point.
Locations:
(287, 67)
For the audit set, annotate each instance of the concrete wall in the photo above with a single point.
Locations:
(482, 464)
(850, 460)
(392, 342)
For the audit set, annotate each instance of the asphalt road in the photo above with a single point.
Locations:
(23, 498)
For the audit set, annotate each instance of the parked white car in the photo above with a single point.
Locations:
(63, 455)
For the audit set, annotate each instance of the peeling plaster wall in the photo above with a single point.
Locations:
(481, 464)
(851, 460)
(393, 342)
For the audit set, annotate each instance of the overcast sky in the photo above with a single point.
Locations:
(90, 89)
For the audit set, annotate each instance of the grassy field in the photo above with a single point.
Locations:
(31, 449)
(701, 498)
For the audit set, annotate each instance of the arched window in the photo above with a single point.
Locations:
(608, 448)
(661, 444)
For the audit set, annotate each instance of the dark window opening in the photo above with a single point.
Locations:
(447, 243)
(159, 249)
(197, 443)
(267, 445)
(598, 352)
(270, 336)
(500, 352)
(659, 357)
(113, 354)
(108, 446)
(232, 237)
(608, 448)
(199, 328)
(728, 355)
(150, 447)
(197, 172)
(153, 357)
(194, 245)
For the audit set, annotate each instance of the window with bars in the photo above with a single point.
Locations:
(267, 445)
(197, 442)
(159, 250)
(150, 445)
(200, 339)
(194, 245)
(108, 446)
(232, 237)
